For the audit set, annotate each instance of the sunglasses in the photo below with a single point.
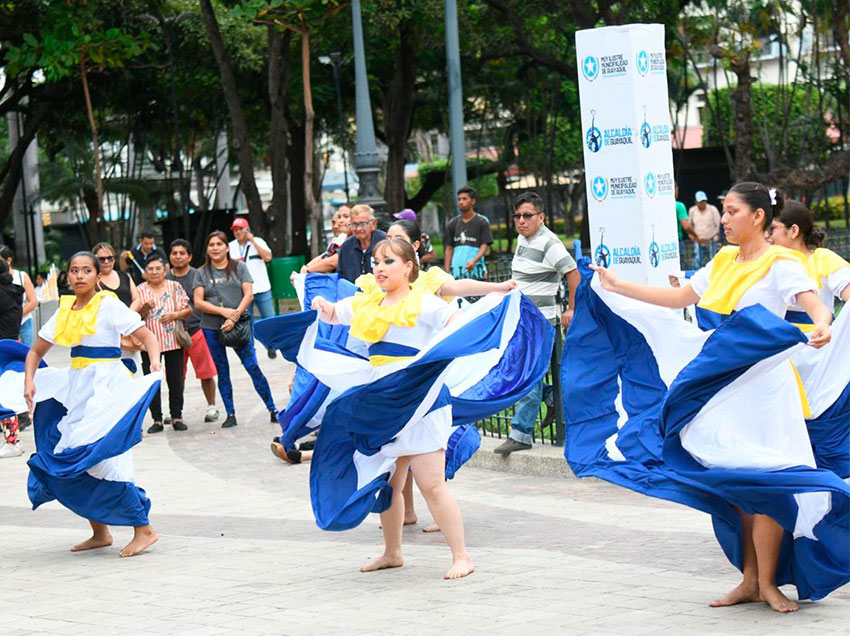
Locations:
(106, 259)
(525, 216)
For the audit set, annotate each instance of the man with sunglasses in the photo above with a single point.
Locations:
(539, 264)
(355, 255)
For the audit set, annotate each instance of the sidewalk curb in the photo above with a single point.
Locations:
(542, 460)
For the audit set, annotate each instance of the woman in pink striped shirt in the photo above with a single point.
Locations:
(161, 303)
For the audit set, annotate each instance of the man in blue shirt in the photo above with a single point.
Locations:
(355, 255)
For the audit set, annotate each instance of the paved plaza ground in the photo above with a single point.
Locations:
(239, 553)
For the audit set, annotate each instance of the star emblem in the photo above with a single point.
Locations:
(599, 187)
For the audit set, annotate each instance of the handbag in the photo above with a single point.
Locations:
(181, 335)
(240, 335)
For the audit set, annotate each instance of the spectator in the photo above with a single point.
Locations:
(11, 311)
(255, 253)
(539, 264)
(133, 261)
(29, 301)
(223, 291)
(467, 239)
(327, 261)
(40, 282)
(121, 284)
(705, 221)
(164, 303)
(683, 223)
(355, 255)
(180, 255)
(427, 255)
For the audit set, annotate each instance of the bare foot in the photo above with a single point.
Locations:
(744, 593)
(461, 567)
(97, 541)
(143, 538)
(383, 562)
(432, 528)
(777, 600)
(410, 519)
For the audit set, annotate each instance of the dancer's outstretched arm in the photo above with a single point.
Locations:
(470, 287)
(674, 297)
(821, 316)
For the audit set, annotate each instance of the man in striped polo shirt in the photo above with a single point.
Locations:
(539, 264)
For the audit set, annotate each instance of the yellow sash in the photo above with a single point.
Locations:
(72, 325)
(729, 280)
(824, 262)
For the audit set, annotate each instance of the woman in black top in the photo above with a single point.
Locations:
(113, 279)
(121, 285)
(11, 307)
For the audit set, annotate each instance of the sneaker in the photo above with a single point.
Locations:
(11, 450)
(156, 427)
(511, 446)
(211, 414)
(229, 421)
(166, 420)
(310, 444)
(179, 425)
(272, 354)
(273, 417)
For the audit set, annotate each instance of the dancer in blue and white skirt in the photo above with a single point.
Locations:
(715, 420)
(86, 418)
(438, 368)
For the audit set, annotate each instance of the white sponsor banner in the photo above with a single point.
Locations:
(628, 156)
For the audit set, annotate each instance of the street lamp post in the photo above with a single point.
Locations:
(458, 143)
(366, 151)
(335, 60)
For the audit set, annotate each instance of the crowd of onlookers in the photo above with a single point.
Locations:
(197, 313)
(699, 225)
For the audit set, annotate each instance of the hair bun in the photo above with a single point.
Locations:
(779, 204)
(816, 236)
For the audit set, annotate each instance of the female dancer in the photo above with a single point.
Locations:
(395, 269)
(795, 229)
(88, 417)
(223, 292)
(739, 277)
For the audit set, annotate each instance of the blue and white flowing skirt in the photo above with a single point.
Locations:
(85, 422)
(484, 361)
(707, 419)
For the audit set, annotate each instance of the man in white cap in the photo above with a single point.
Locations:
(705, 221)
(255, 253)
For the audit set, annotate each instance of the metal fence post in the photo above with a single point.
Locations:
(560, 432)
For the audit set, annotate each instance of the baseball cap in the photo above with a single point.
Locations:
(700, 196)
(407, 214)
(240, 221)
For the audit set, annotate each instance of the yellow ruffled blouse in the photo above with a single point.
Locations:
(72, 325)
(371, 320)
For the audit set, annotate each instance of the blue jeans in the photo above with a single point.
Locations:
(264, 303)
(26, 333)
(248, 357)
(703, 254)
(525, 415)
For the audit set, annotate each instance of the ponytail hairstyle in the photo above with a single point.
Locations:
(758, 196)
(411, 228)
(403, 250)
(796, 213)
(231, 264)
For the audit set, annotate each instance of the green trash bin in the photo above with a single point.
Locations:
(279, 272)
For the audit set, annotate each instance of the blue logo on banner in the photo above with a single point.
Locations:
(590, 68)
(593, 140)
(642, 63)
(602, 255)
(650, 184)
(653, 254)
(599, 188)
(645, 135)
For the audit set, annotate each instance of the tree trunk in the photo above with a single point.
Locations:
(743, 108)
(10, 176)
(397, 115)
(95, 143)
(241, 134)
(200, 186)
(278, 75)
(309, 200)
(840, 13)
(94, 206)
(295, 154)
